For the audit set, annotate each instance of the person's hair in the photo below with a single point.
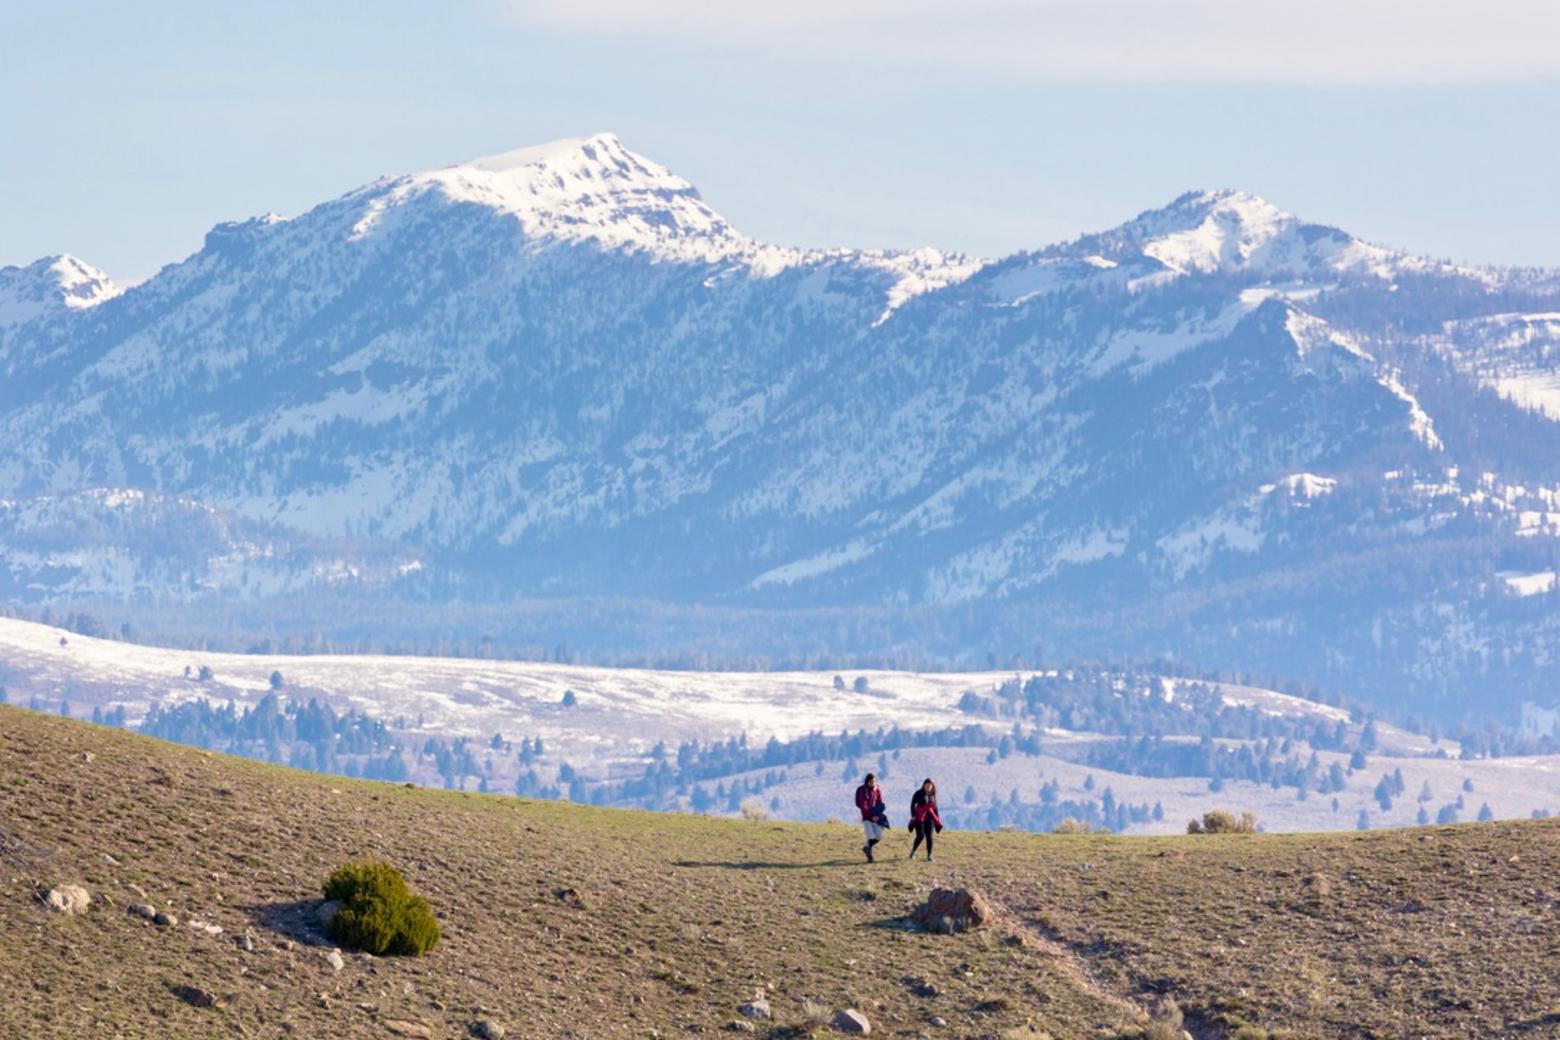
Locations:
(870, 777)
(933, 792)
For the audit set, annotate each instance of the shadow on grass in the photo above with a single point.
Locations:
(298, 921)
(1544, 1022)
(891, 924)
(763, 865)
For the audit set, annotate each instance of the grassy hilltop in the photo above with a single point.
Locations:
(565, 921)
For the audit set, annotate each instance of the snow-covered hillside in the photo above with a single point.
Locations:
(558, 373)
(603, 726)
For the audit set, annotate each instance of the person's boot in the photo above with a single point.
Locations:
(867, 848)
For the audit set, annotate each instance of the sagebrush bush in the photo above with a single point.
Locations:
(379, 911)
(1218, 821)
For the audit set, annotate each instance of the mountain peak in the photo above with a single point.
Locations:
(61, 282)
(592, 188)
(599, 148)
(1226, 230)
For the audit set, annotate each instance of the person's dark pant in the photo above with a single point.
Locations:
(923, 832)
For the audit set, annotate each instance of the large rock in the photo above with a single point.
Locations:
(851, 1021)
(952, 910)
(69, 900)
(757, 1008)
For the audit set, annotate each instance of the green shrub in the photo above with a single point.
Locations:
(379, 912)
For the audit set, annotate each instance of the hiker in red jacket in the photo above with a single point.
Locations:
(874, 818)
(924, 821)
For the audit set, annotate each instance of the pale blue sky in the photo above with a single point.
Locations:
(988, 125)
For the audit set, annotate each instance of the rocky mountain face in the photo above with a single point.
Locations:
(1216, 432)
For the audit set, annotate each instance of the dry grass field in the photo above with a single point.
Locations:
(566, 921)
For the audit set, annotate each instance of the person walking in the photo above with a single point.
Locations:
(874, 819)
(924, 819)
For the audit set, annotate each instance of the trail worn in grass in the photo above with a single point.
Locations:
(564, 921)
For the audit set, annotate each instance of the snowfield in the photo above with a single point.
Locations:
(621, 713)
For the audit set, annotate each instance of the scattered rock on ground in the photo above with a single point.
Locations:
(194, 996)
(851, 1021)
(738, 1025)
(938, 1021)
(246, 942)
(757, 1008)
(145, 910)
(401, 1027)
(327, 911)
(206, 926)
(487, 1029)
(571, 897)
(333, 958)
(952, 909)
(165, 920)
(69, 900)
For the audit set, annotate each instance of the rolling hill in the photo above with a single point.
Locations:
(568, 921)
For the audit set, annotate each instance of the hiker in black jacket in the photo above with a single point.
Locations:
(924, 819)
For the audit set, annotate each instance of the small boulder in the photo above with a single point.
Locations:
(851, 1021)
(326, 912)
(757, 1008)
(194, 996)
(937, 1021)
(401, 1027)
(487, 1029)
(246, 942)
(165, 920)
(70, 900)
(145, 910)
(952, 910)
(333, 958)
(739, 1025)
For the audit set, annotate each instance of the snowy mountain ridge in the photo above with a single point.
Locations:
(556, 372)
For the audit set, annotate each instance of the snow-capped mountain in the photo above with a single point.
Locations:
(556, 372)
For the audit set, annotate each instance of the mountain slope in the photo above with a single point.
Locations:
(558, 373)
(566, 921)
